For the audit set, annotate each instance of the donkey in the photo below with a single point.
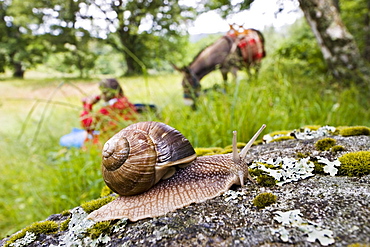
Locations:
(230, 53)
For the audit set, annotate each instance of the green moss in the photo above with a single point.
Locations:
(325, 144)
(266, 180)
(208, 151)
(355, 164)
(282, 138)
(256, 172)
(280, 132)
(90, 206)
(258, 142)
(65, 213)
(239, 145)
(312, 127)
(264, 199)
(337, 148)
(99, 228)
(354, 131)
(106, 191)
(319, 168)
(302, 155)
(64, 224)
(226, 151)
(358, 245)
(46, 227)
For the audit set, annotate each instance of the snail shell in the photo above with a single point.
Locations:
(140, 155)
(204, 178)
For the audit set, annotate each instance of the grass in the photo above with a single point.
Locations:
(39, 177)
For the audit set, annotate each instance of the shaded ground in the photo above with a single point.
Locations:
(337, 204)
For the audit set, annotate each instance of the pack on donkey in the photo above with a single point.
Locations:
(239, 49)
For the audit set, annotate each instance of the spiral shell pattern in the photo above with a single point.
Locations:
(135, 158)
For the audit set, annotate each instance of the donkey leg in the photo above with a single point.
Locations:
(224, 72)
(234, 72)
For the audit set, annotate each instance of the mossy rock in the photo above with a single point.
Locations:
(106, 191)
(318, 168)
(266, 180)
(337, 148)
(354, 131)
(97, 229)
(282, 138)
(46, 227)
(325, 144)
(208, 151)
(355, 164)
(312, 127)
(90, 206)
(280, 132)
(239, 145)
(264, 199)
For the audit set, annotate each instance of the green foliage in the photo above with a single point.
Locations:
(325, 144)
(354, 15)
(302, 46)
(264, 199)
(355, 164)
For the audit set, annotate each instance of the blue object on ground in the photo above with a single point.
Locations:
(76, 138)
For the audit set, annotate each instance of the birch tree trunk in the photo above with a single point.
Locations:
(337, 44)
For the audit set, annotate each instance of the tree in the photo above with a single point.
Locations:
(67, 39)
(19, 48)
(31, 30)
(337, 44)
(124, 20)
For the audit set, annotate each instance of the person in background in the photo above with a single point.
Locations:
(115, 108)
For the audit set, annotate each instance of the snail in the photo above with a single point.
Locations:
(174, 176)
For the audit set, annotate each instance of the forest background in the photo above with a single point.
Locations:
(48, 61)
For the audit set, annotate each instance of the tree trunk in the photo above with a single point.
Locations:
(18, 70)
(337, 44)
(366, 53)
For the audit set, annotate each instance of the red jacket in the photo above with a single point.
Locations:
(116, 110)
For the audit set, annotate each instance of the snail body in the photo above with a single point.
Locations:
(201, 179)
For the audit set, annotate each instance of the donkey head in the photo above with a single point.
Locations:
(190, 85)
